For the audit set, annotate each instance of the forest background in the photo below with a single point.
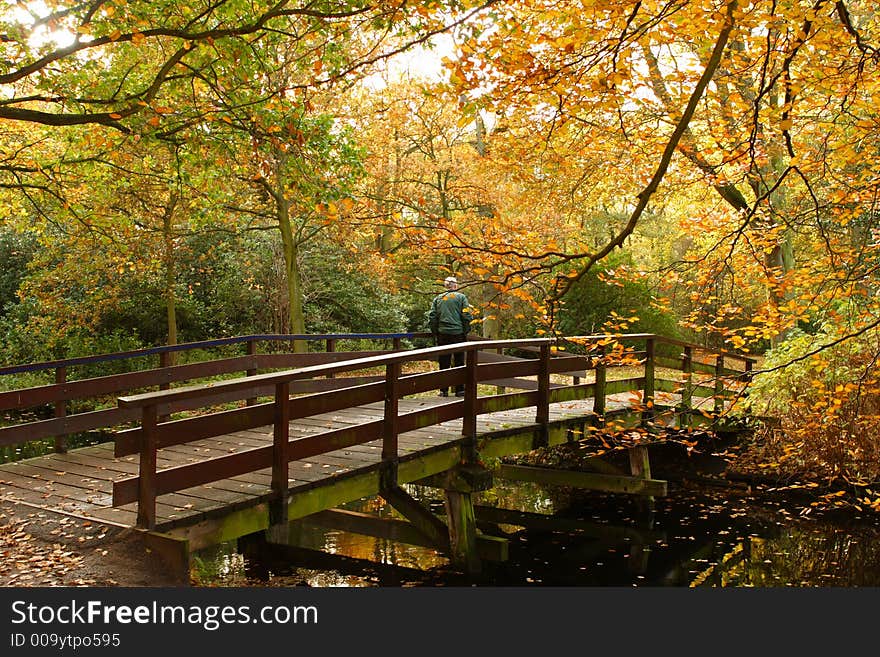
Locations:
(703, 169)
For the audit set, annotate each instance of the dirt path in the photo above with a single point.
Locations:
(41, 548)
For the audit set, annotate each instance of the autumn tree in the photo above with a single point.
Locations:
(427, 182)
(757, 121)
(163, 71)
(741, 99)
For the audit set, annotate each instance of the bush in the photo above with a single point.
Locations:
(827, 405)
(16, 251)
(592, 302)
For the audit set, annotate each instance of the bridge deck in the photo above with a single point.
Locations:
(79, 483)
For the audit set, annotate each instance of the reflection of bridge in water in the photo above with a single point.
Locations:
(218, 460)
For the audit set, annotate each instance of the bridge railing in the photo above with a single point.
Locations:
(58, 397)
(153, 435)
(705, 372)
(391, 385)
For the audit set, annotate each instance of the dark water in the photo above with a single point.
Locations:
(699, 535)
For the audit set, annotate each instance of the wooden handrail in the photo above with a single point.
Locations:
(618, 337)
(205, 344)
(65, 421)
(63, 390)
(272, 378)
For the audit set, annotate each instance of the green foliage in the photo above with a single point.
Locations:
(342, 299)
(16, 251)
(824, 393)
(588, 306)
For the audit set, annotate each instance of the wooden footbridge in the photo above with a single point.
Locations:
(195, 458)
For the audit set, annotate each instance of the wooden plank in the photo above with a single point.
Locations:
(559, 364)
(34, 489)
(86, 476)
(97, 491)
(198, 428)
(290, 360)
(421, 518)
(588, 480)
(67, 506)
(206, 426)
(186, 476)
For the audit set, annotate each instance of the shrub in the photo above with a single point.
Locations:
(827, 403)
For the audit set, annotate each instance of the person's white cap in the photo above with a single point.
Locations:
(450, 279)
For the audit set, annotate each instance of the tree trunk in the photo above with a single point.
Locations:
(293, 277)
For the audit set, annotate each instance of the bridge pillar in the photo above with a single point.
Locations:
(640, 467)
(458, 486)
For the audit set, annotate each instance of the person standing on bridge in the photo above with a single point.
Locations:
(450, 321)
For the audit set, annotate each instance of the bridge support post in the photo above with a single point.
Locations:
(640, 467)
(459, 486)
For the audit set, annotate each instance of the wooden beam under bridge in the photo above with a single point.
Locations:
(598, 530)
(588, 480)
(490, 548)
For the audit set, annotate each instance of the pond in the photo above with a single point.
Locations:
(700, 534)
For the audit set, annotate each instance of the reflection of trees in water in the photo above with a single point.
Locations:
(816, 557)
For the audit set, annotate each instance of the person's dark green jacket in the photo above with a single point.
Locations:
(450, 314)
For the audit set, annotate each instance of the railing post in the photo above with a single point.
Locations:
(395, 344)
(146, 513)
(469, 414)
(60, 409)
(499, 390)
(251, 371)
(648, 393)
(331, 347)
(746, 376)
(687, 387)
(719, 386)
(164, 362)
(280, 438)
(542, 415)
(390, 426)
(599, 385)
